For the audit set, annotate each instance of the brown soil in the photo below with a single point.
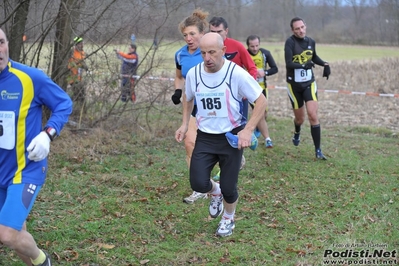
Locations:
(380, 76)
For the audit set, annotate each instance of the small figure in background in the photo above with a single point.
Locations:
(133, 38)
(300, 59)
(266, 66)
(128, 71)
(155, 43)
(76, 65)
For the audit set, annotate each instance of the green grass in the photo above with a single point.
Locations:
(115, 198)
(333, 53)
(355, 52)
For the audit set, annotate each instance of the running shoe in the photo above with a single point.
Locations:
(47, 262)
(216, 205)
(296, 139)
(319, 155)
(226, 227)
(257, 132)
(269, 143)
(195, 196)
(233, 141)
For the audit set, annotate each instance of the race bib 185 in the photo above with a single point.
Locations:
(211, 104)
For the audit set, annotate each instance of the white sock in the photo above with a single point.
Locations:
(217, 190)
(268, 138)
(228, 216)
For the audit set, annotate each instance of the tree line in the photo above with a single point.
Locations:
(49, 26)
(369, 22)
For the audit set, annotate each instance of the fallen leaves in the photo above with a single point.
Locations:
(105, 246)
(144, 262)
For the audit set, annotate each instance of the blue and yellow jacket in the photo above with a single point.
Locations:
(24, 91)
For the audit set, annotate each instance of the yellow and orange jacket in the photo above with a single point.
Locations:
(76, 64)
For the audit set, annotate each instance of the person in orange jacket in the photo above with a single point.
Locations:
(130, 61)
(76, 65)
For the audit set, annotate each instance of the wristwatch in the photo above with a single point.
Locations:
(51, 132)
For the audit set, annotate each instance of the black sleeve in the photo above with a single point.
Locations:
(273, 69)
(289, 54)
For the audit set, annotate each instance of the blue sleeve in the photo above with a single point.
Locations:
(177, 61)
(55, 98)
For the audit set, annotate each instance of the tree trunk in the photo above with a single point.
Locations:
(18, 29)
(63, 36)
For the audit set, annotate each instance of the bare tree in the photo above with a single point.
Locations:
(358, 7)
(106, 24)
(67, 13)
(18, 28)
(389, 20)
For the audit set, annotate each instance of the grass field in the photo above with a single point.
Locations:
(330, 53)
(114, 196)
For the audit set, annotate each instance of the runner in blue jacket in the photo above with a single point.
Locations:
(24, 146)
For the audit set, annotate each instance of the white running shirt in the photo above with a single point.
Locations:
(219, 95)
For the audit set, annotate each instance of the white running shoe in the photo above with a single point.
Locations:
(226, 227)
(195, 196)
(216, 205)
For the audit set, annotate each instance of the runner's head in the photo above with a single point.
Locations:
(219, 25)
(212, 51)
(253, 44)
(4, 54)
(193, 28)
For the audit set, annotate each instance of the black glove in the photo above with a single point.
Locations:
(176, 96)
(308, 65)
(326, 71)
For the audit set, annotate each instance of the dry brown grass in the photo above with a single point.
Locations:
(335, 109)
(380, 76)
